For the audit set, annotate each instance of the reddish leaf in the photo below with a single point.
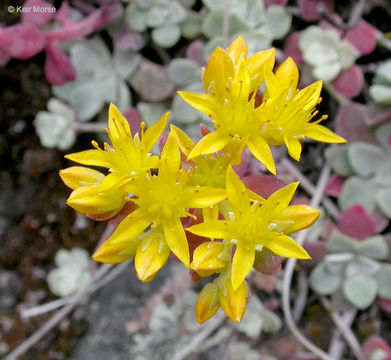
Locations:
(357, 222)
(242, 168)
(308, 8)
(263, 185)
(21, 41)
(350, 123)
(363, 37)
(62, 14)
(334, 185)
(134, 120)
(204, 130)
(376, 115)
(40, 18)
(350, 82)
(291, 48)
(196, 52)
(129, 40)
(58, 67)
(162, 140)
(374, 343)
(385, 305)
(265, 283)
(317, 251)
(4, 58)
(267, 262)
(381, 222)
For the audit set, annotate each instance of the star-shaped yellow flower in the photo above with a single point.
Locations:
(286, 112)
(231, 82)
(163, 200)
(252, 226)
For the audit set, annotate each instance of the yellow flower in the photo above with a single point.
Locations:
(252, 226)
(286, 112)
(231, 82)
(86, 196)
(162, 200)
(129, 157)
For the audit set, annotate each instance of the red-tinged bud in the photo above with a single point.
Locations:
(267, 262)
(207, 303)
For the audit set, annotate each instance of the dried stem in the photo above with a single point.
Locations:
(289, 268)
(345, 330)
(200, 337)
(310, 188)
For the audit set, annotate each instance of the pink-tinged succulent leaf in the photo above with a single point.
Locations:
(363, 37)
(62, 15)
(95, 21)
(242, 168)
(196, 52)
(357, 222)
(350, 123)
(134, 120)
(4, 58)
(385, 305)
(162, 140)
(308, 8)
(263, 185)
(376, 115)
(381, 222)
(291, 48)
(21, 41)
(276, 2)
(264, 282)
(375, 343)
(40, 18)
(389, 142)
(58, 67)
(350, 82)
(129, 40)
(334, 185)
(317, 251)
(325, 25)
(267, 262)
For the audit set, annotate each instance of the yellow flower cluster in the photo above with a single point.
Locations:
(165, 189)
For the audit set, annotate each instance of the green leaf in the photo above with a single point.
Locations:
(184, 72)
(167, 35)
(365, 158)
(336, 262)
(358, 191)
(337, 156)
(375, 247)
(191, 26)
(383, 133)
(362, 265)
(327, 72)
(182, 112)
(383, 174)
(278, 21)
(259, 39)
(86, 100)
(151, 112)
(126, 63)
(324, 282)
(383, 278)
(360, 290)
(383, 199)
(380, 94)
(213, 24)
(383, 73)
(338, 242)
(135, 17)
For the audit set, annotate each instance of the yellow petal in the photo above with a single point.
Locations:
(217, 72)
(240, 87)
(118, 125)
(176, 239)
(299, 217)
(242, 264)
(321, 133)
(216, 229)
(129, 228)
(77, 176)
(208, 257)
(90, 157)
(154, 132)
(170, 158)
(288, 74)
(257, 64)
(261, 150)
(236, 191)
(294, 147)
(210, 212)
(207, 303)
(205, 196)
(152, 254)
(113, 181)
(210, 144)
(233, 302)
(285, 246)
(207, 104)
(185, 143)
(114, 254)
(89, 200)
(237, 49)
